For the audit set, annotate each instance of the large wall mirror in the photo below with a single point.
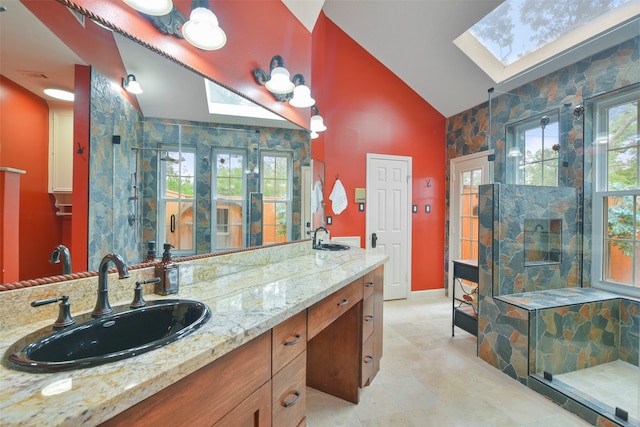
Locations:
(189, 162)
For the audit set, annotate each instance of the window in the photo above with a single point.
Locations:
(616, 200)
(177, 199)
(469, 185)
(532, 158)
(229, 199)
(276, 173)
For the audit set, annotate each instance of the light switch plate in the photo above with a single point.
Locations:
(415, 209)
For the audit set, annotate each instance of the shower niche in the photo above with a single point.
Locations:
(542, 241)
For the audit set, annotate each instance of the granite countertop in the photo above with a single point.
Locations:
(243, 306)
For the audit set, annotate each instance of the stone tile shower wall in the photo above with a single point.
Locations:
(503, 329)
(110, 166)
(467, 132)
(512, 205)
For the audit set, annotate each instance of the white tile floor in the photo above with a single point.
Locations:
(614, 384)
(428, 378)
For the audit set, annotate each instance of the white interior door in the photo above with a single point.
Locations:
(467, 174)
(388, 217)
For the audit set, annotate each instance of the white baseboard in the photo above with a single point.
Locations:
(427, 294)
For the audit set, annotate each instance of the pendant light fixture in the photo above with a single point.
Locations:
(151, 7)
(203, 30)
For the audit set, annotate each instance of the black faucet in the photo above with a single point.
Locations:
(61, 251)
(316, 243)
(102, 304)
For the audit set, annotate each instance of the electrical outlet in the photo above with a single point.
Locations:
(329, 220)
(361, 207)
(415, 209)
(427, 208)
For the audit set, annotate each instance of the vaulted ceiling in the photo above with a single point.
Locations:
(413, 39)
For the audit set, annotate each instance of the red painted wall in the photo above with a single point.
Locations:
(81, 125)
(24, 144)
(256, 31)
(367, 109)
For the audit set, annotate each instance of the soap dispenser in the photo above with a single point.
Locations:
(167, 271)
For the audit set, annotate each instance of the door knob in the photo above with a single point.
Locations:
(374, 239)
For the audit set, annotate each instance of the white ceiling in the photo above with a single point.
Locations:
(414, 39)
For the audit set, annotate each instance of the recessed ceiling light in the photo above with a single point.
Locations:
(63, 95)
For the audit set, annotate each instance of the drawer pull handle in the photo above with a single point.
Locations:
(369, 284)
(293, 402)
(295, 341)
(368, 359)
(368, 318)
(344, 302)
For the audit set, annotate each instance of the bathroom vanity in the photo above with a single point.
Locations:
(280, 321)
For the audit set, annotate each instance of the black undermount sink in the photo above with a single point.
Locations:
(332, 247)
(119, 335)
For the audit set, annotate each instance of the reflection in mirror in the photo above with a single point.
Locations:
(196, 204)
(532, 150)
(135, 194)
(317, 198)
(542, 241)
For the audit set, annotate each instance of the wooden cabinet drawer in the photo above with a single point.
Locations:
(289, 393)
(367, 318)
(368, 360)
(289, 340)
(369, 283)
(329, 309)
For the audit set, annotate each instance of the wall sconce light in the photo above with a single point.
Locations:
(301, 93)
(202, 29)
(131, 85)
(151, 7)
(316, 123)
(279, 84)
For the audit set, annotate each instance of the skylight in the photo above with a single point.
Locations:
(520, 34)
(224, 102)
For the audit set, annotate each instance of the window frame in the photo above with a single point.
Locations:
(289, 198)
(215, 199)
(516, 133)
(162, 199)
(601, 192)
